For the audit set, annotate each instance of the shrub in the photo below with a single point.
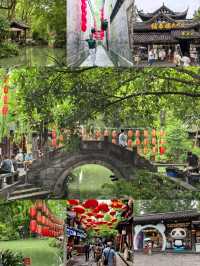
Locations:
(8, 49)
(10, 258)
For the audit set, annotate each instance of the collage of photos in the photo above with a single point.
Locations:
(99, 133)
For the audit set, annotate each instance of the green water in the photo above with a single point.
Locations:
(35, 56)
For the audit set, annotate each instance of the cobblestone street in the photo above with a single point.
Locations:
(167, 260)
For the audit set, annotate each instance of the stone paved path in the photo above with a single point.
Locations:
(102, 59)
(80, 261)
(167, 260)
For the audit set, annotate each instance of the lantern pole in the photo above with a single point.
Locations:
(65, 241)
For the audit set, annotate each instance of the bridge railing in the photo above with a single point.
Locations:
(8, 179)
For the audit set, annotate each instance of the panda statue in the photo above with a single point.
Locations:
(178, 235)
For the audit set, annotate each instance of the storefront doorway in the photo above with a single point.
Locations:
(185, 47)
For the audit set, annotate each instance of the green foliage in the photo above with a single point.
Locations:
(10, 258)
(54, 243)
(177, 142)
(8, 49)
(4, 26)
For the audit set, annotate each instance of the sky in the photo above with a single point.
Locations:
(176, 5)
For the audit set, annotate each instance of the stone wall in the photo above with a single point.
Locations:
(76, 48)
(121, 31)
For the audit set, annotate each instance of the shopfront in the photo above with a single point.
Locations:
(179, 231)
(166, 32)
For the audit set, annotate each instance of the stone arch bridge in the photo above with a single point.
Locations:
(51, 172)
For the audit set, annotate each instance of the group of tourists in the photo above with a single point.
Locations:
(170, 56)
(102, 254)
(11, 164)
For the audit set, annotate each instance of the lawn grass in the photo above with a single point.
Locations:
(38, 250)
(93, 177)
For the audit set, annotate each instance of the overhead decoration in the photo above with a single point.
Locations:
(5, 96)
(83, 15)
(43, 222)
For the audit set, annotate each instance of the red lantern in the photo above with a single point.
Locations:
(103, 207)
(162, 133)
(137, 141)
(5, 110)
(130, 133)
(146, 142)
(145, 150)
(162, 142)
(154, 150)
(153, 141)
(73, 202)
(43, 219)
(39, 229)
(5, 99)
(99, 215)
(39, 204)
(32, 212)
(39, 217)
(79, 209)
(129, 143)
(5, 90)
(54, 142)
(112, 212)
(154, 132)
(33, 226)
(146, 133)
(137, 133)
(162, 150)
(83, 27)
(91, 204)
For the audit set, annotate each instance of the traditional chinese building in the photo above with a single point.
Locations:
(166, 29)
(163, 229)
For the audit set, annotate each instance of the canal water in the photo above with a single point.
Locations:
(35, 56)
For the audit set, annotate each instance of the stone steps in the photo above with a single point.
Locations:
(39, 194)
(25, 191)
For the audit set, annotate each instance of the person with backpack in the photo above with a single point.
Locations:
(109, 255)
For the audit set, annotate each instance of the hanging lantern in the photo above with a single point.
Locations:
(99, 215)
(5, 89)
(130, 133)
(137, 133)
(162, 133)
(146, 142)
(39, 229)
(145, 150)
(73, 202)
(79, 209)
(154, 141)
(113, 212)
(129, 143)
(32, 212)
(103, 207)
(154, 132)
(162, 150)
(54, 142)
(5, 110)
(5, 99)
(162, 142)
(33, 226)
(146, 133)
(91, 204)
(137, 141)
(39, 217)
(154, 150)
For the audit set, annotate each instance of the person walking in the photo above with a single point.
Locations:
(109, 255)
(92, 45)
(87, 251)
(98, 254)
(6, 166)
(123, 139)
(151, 57)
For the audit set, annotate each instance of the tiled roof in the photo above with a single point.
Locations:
(158, 217)
(160, 37)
